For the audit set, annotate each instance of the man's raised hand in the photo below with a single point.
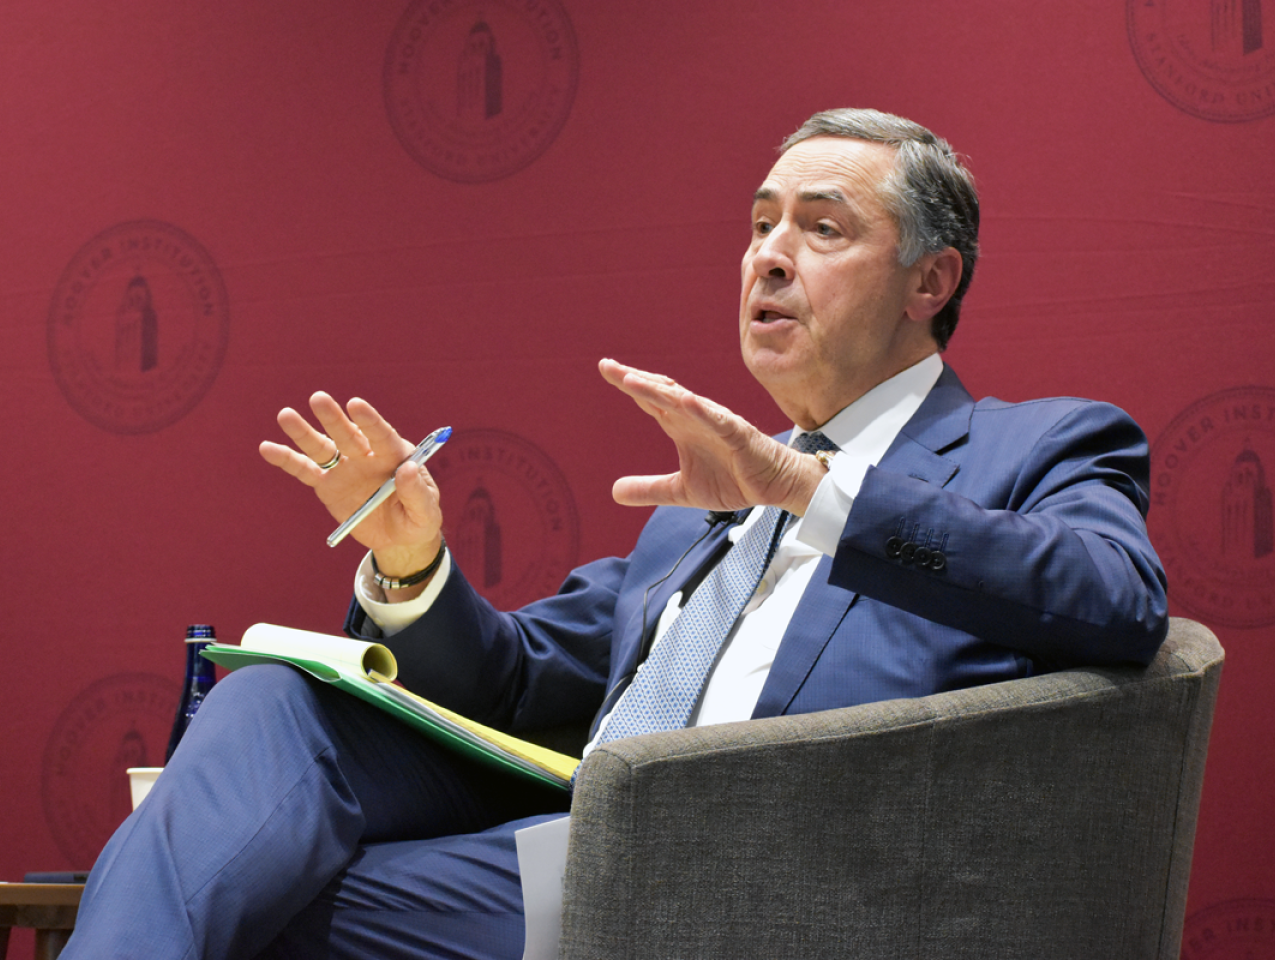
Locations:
(724, 462)
(404, 532)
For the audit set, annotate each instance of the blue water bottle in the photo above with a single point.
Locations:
(199, 680)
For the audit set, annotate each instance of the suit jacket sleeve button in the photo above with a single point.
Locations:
(907, 551)
(937, 560)
(892, 547)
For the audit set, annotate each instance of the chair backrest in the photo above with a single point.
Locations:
(1052, 817)
(1067, 812)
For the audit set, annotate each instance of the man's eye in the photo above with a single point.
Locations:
(825, 230)
(762, 227)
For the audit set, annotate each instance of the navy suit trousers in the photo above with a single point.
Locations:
(297, 821)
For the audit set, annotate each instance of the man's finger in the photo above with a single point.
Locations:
(417, 494)
(308, 440)
(617, 374)
(653, 491)
(682, 413)
(382, 438)
(614, 370)
(339, 428)
(290, 462)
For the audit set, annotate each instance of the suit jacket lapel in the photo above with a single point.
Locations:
(942, 420)
(818, 614)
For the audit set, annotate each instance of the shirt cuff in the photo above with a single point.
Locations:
(829, 508)
(394, 617)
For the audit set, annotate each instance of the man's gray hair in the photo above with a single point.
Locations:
(930, 194)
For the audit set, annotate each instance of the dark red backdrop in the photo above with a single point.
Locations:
(213, 209)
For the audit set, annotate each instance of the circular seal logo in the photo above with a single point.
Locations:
(1215, 59)
(1211, 507)
(138, 327)
(1233, 930)
(511, 521)
(478, 90)
(118, 722)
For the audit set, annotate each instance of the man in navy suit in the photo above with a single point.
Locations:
(934, 543)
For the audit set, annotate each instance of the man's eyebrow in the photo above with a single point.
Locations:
(765, 194)
(823, 196)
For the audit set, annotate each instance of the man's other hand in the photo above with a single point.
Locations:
(724, 462)
(404, 532)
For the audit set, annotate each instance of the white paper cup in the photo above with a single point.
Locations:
(140, 781)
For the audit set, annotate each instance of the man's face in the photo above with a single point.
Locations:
(824, 304)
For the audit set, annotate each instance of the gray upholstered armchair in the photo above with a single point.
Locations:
(1042, 818)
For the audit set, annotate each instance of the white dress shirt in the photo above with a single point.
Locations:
(863, 432)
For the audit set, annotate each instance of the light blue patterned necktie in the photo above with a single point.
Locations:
(667, 686)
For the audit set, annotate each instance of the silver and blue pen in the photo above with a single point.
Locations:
(424, 450)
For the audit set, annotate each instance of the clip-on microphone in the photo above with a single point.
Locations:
(729, 517)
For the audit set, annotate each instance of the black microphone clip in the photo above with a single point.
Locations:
(728, 517)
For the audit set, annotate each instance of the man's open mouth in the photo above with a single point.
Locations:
(768, 316)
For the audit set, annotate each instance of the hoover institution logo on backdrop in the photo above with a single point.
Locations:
(138, 327)
(1211, 509)
(1212, 58)
(511, 519)
(117, 722)
(478, 90)
(1233, 930)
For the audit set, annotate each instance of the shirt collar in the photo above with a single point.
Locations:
(882, 412)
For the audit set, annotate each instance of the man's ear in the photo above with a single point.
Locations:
(936, 279)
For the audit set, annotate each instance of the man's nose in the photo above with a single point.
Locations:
(773, 256)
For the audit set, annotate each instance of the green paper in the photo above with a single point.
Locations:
(365, 670)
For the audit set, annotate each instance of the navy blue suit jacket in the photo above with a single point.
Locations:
(1037, 509)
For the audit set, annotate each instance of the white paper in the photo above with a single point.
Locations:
(542, 861)
(359, 655)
